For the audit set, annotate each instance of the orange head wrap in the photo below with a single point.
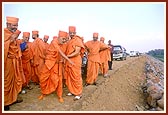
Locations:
(95, 35)
(102, 39)
(35, 32)
(26, 34)
(62, 34)
(17, 32)
(46, 36)
(55, 37)
(72, 29)
(12, 20)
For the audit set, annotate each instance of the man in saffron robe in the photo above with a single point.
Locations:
(93, 47)
(51, 73)
(38, 49)
(62, 47)
(62, 60)
(45, 39)
(13, 71)
(104, 58)
(73, 75)
(27, 56)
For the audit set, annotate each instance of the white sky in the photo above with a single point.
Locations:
(136, 26)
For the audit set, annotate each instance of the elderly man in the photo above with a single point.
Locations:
(13, 71)
(73, 75)
(93, 48)
(51, 73)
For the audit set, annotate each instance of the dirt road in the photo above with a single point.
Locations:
(120, 92)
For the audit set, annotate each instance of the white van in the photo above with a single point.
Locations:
(133, 54)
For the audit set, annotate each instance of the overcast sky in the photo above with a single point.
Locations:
(136, 26)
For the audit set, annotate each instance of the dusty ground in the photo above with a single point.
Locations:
(120, 92)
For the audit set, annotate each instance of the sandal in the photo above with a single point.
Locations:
(106, 75)
(23, 91)
(77, 97)
(69, 94)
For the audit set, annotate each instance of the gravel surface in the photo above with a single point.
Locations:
(119, 92)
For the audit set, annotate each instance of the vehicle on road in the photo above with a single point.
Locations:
(119, 52)
(132, 53)
(137, 53)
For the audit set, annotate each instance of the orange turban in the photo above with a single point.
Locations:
(17, 32)
(46, 36)
(95, 35)
(12, 20)
(62, 34)
(26, 34)
(55, 37)
(102, 39)
(35, 32)
(72, 29)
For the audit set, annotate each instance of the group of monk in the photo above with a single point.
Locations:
(50, 65)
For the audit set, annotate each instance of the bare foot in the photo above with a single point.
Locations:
(41, 97)
(61, 100)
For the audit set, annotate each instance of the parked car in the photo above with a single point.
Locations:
(137, 53)
(119, 52)
(133, 54)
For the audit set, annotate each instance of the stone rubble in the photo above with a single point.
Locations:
(153, 87)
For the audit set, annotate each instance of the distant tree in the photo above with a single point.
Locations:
(157, 53)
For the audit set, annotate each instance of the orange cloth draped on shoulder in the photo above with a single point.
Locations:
(13, 72)
(73, 73)
(82, 39)
(19, 41)
(93, 48)
(46, 48)
(34, 77)
(61, 59)
(104, 58)
(51, 77)
(38, 49)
